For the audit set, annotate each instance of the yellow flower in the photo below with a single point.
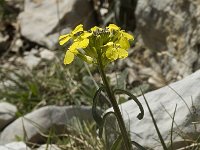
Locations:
(69, 57)
(115, 51)
(73, 50)
(84, 35)
(113, 27)
(97, 44)
(126, 35)
(123, 42)
(65, 38)
(95, 28)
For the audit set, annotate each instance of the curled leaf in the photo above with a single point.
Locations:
(120, 91)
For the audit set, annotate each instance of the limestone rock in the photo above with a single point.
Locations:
(48, 147)
(172, 26)
(7, 114)
(14, 146)
(162, 103)
(42, 120)
(31, 61)
(47, 54)
(40, 20)
(3, 42)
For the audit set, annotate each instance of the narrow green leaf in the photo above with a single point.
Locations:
(120, 91)
(103, 122)
(155, 124)
(171, 135)
(117, 144)
(138, 145)
(97, 117)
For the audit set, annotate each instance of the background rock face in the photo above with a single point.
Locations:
(40, 20)
(162, 103)
(172, 26)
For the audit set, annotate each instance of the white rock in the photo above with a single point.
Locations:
(3, 38)
(33, 51)
(14, 146)
(143, 131)
(4, 43)
(47, 54)
(40, 20)
(48, 147)
(6, 83)
(31, 61)
(17, 45)
(43, 119)
(7, 113)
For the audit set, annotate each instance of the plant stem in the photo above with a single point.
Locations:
(117, 111)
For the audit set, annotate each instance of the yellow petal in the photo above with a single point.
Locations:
(109, 44)
(64, 39)
(124, 43)
(83, 44)
(122, 53)
(78, 44)
(77, 29)
(95, 28)
(85, 35)
(113, 27)
(73, 48)
(127, 35)
(69, 57)
(111, 53)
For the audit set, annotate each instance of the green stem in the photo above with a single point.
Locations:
(117, 111)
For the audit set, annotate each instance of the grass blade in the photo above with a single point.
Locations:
(155, 125)
(171, 135)
(117, 144)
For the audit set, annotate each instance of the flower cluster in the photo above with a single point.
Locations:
(97, 44)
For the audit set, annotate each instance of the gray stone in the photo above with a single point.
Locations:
(6, 83)
(47, 54)
(48, 147)
(172, 26)
(3, 38)
(7, 114)
(3, 42)
(40, 20)
(18, 43)
(162, 103)
(42, 120)
(31, 61)
(14, 146)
